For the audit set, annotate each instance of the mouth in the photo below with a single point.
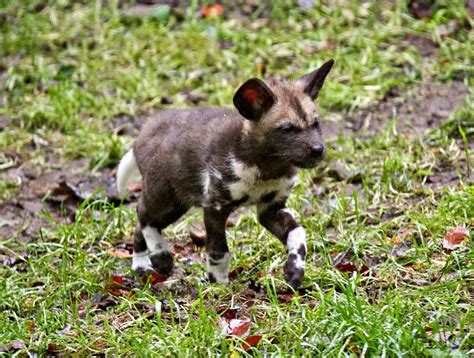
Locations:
(307, 163)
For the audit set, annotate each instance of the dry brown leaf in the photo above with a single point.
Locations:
(118, 279)
(227, 312)
(120, 253)
(251, 341)
(182, 250)
(454, 238)
(234, 327)
(156, 277)
(401, 237)
(119, 292)
(286, 297)
(347, 267)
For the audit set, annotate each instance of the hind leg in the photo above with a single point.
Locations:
(151, 251)
(141, 256)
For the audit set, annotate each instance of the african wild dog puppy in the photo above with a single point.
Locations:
(220, 159)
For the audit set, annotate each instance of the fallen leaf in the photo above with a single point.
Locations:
(351, 267)
(238, 327)
(121, 253)
(100, 344)
(116, 286)
(156, 277)
(182, 250)
(400, 238)
(53, 348)
(454, 238)
(346, 267)
(251, 341)
(212, 11)
(363, 269)
(118, 292)
(234, 327)
(285, 297)
(118, 279)
(226, 312)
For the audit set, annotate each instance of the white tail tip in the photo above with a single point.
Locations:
(127, 169)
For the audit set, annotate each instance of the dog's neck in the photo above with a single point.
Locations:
(252, 153)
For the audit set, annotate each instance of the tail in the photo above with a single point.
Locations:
(127, 169)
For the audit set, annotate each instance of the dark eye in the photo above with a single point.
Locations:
(316, 124)
(287, 128)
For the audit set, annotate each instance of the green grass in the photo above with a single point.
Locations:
(68, 69)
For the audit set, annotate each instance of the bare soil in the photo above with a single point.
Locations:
(422, 108)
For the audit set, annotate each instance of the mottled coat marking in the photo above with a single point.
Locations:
(220, 159)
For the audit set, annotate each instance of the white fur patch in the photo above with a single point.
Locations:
(207, 176)
(127, 170)
(154, 240)
(221, 270)
(141, 261)
(299, 262)
(206, 182)
(296, 239)
(252, 185)
(215, 173)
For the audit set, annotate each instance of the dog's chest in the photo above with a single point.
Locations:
(250, 188)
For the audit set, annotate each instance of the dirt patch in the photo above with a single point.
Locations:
(424, 107)
(127, 125)
(56, 193)
(424, 44)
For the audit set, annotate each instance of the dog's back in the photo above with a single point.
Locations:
(174, 147)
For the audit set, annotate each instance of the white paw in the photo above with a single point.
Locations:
(142, 262)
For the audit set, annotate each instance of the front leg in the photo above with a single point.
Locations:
(218, 256)
(279, 221)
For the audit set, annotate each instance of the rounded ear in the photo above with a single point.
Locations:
(253, 99)
(312, 82)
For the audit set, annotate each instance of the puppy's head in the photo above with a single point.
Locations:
(283, 118)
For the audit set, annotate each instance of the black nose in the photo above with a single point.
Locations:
(317, 150)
